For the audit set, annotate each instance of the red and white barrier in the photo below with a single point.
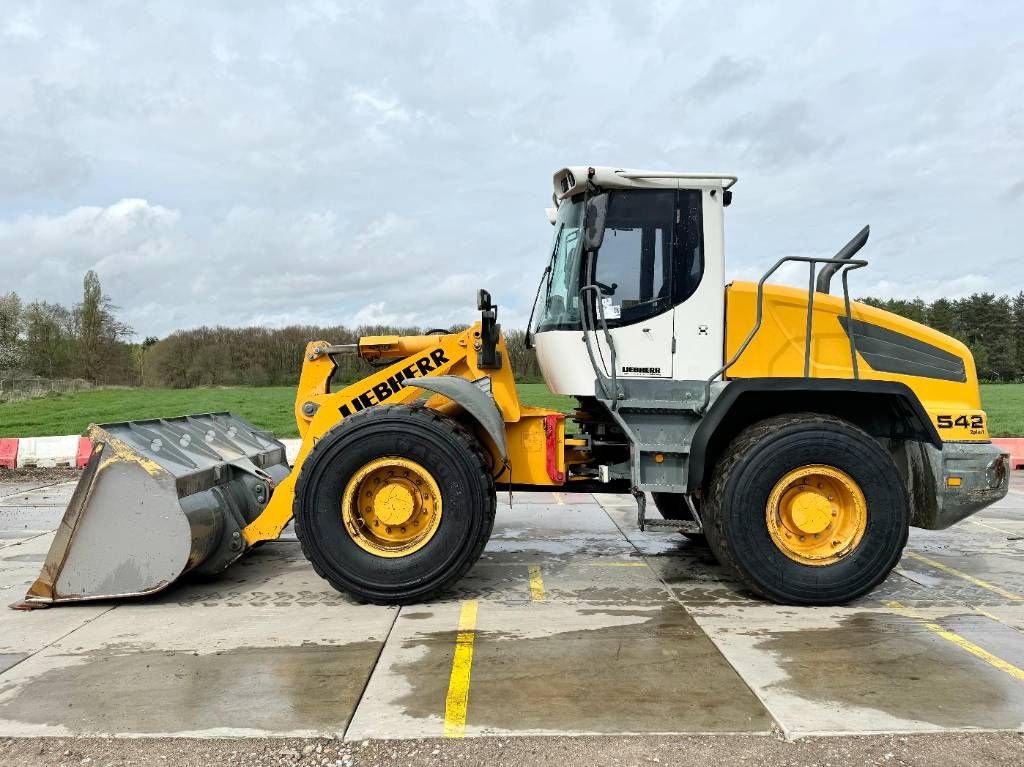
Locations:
(44, 452)
(8, 453)
(1015, 447)
(291, 449)
(49, 452)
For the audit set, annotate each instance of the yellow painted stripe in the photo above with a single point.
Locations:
(965, 576)
(558, 499)
(964, 644)
(536, 584)
(993, 527)
(457, 701)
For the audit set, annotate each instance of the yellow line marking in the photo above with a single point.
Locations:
(558, 499)
(965, 576)
(993, 527)
(964, 644)
(457, 701)
(536, 584)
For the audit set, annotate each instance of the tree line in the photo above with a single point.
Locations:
(991, 326)
(88, 341)
(52, 341)
(258, 356)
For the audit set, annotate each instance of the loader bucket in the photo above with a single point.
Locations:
(158, 499)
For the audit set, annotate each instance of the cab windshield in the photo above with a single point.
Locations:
(560, 307)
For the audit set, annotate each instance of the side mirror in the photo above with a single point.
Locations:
(597, 213)
(483, 300)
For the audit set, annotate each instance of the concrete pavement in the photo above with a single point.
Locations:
(573, 622)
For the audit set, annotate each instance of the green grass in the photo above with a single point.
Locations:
(1004, 404)
(271, 407)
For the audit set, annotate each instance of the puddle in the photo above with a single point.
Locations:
(309, 687)
(895, 665)
(11, 659)
(659, 674)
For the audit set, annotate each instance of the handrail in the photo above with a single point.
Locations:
(614, 395)
(844, 265)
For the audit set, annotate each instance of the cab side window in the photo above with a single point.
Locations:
(652, 256)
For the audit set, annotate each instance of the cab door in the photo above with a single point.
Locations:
(633, 271)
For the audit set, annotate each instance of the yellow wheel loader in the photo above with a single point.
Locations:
(801, 433)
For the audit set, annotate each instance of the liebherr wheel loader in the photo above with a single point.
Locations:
(800, 432)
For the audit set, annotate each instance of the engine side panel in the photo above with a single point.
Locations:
(937, 368)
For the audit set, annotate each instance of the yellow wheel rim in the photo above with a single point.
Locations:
(391, 507)
(816, 514)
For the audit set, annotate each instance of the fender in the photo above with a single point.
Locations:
(474, 401)
(809, 389)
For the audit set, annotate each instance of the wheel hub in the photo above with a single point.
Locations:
(816, 514)
(391, 507)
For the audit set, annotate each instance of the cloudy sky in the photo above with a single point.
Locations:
(312, 162)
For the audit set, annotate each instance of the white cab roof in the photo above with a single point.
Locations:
(573, 179)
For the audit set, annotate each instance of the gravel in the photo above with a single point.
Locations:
(58, 474)
(933, 750)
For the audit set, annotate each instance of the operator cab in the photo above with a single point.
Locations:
(639, 254)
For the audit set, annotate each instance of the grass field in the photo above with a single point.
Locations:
(271, 408)
(1004, 404)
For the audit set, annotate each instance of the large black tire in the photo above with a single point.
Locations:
(735, 512)
(440, 445)
(673, 506)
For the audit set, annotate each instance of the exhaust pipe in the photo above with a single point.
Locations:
(158, 499)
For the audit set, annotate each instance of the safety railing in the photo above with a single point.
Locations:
(845, 266)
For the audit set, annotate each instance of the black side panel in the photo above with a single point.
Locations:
(747, 400)
(887, 351)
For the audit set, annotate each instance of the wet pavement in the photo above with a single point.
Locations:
(573, 622)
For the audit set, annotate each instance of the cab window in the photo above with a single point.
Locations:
(651, 257)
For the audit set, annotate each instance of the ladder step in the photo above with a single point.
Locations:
(682, 525)
(658, 404)
(652, 447)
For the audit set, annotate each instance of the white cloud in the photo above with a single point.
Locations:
(330, 162)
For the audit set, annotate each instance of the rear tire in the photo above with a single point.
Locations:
(745, 489)
(453, 459)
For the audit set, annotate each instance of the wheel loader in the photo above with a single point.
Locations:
(799, 432)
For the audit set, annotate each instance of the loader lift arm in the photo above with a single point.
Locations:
(460, 376)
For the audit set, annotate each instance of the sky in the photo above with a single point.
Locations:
(281, 163)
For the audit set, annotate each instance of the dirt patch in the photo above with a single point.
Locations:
(42, 476)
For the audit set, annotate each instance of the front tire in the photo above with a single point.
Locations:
(395, 504)
(807, 510)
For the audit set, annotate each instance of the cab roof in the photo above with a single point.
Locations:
(573, 179)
